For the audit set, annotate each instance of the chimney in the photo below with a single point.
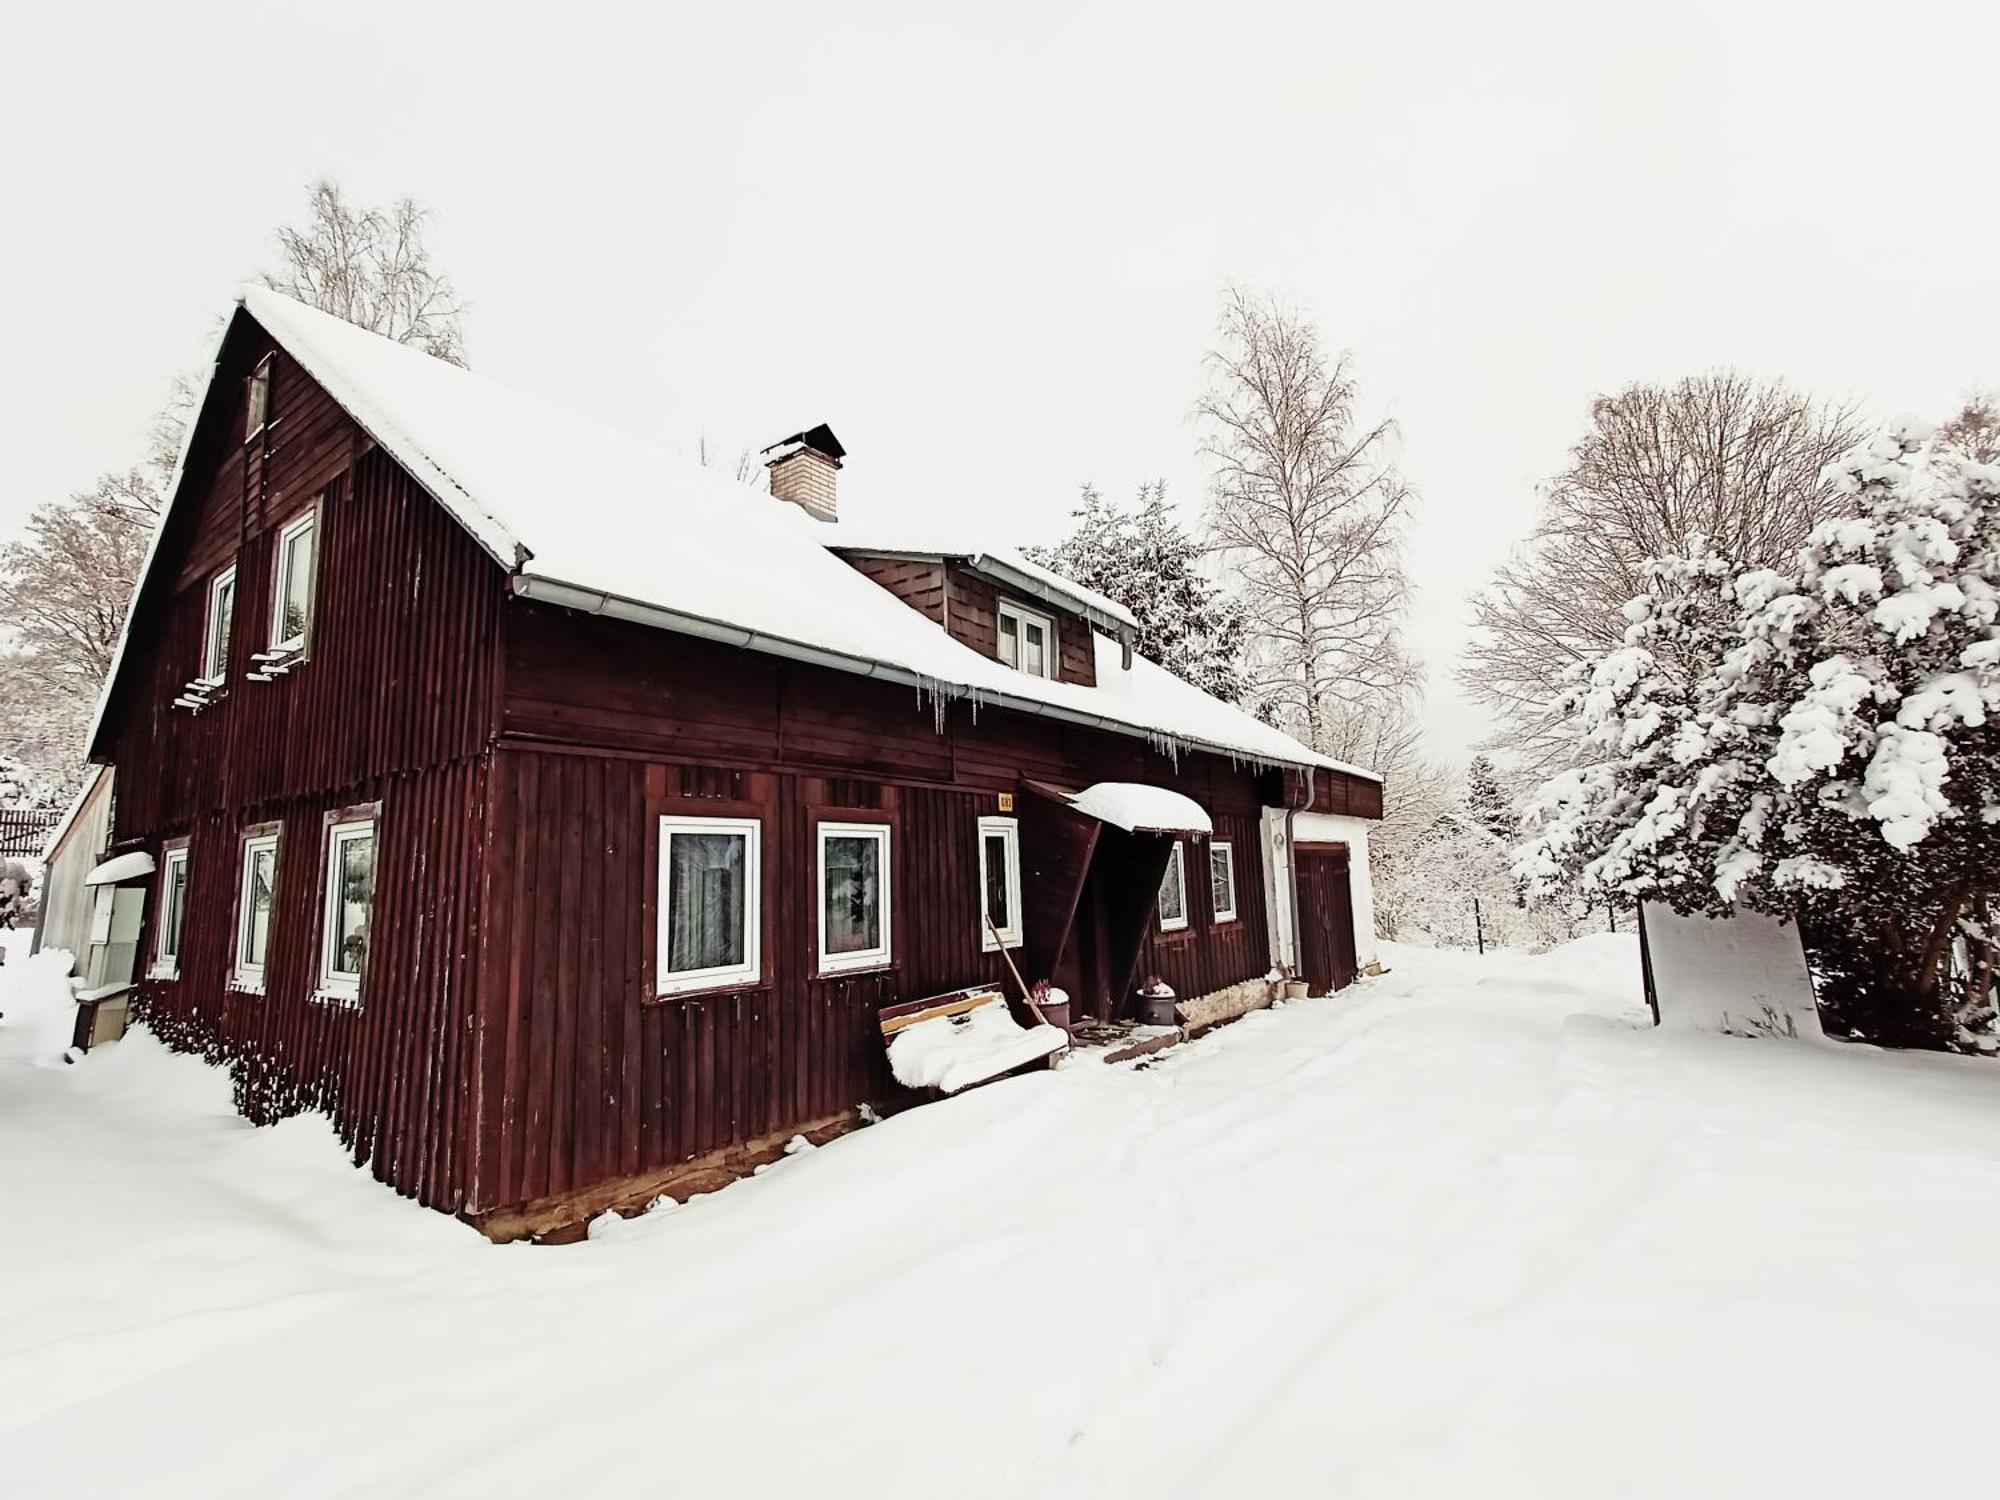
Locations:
(804, 469)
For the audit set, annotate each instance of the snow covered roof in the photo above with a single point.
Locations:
(983, 556)
(121, 867)
(589, 518)
(1138, 808)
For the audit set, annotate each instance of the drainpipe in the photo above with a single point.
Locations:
(1292, 865)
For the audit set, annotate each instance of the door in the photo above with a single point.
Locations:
(1326, 918)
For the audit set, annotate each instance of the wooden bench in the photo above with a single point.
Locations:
(994, 1043)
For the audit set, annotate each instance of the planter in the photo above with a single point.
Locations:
(1055, 1012)
(1158, 1010)
(1295, 989)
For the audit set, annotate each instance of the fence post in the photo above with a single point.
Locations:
(1478, 927)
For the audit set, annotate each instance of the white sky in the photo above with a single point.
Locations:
(989, 248)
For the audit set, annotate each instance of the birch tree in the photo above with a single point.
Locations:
(1307, 506)
(373, 267)
(1719, 457)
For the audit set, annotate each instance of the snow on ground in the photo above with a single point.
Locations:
(1465, 1230)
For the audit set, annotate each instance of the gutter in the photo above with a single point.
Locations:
(616, 607)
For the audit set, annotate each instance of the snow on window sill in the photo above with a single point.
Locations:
(345, 999)
(245, 985)
(707, 989)
(164, 971)
(872, 965)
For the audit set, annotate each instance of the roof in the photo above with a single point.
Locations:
(589, 518)
(820, 439)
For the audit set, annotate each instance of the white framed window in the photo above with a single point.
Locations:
(347, 910)
(256, 895)
(1000, 882)
(1027, 640)
(710, 903)
(215, 634)
(173, 909)
(1173, 891)
(1222, 880)
(292, 587)
(854, 878)
(258, 402)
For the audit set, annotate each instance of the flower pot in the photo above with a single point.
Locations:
(1055, 1012)
(1295, 989)
(1157, 1010)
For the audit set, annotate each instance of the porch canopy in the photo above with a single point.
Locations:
(1138, 808)
(121, 868)
(1094, 860)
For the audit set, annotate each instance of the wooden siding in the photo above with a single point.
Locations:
(1338, 792)
(389, 1074)
(396, 701)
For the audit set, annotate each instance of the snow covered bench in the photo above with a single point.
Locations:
(950, 1042)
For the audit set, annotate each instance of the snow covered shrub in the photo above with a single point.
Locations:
(1814, 744)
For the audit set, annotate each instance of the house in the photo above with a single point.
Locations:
(558, 817)
(75, 847)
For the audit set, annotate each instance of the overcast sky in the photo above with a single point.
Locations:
(989, 246)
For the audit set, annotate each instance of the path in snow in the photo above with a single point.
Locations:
(1467, 1229)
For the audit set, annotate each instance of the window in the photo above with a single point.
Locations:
(292, 590)
(1222, 880)
(1000, 882)
(1027, 640)
(710, 899)
(221, 611)
(173, 906)
(853, 896)
(1173, 891)
(350, 902)
(255, 894)
(259, 402)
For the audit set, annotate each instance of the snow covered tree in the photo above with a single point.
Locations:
(1145, 560)
(1307, 507)
(371, 266)
(1816, 744)
(65, 585)
(1717, 456)
(1975, 431)
(1487, 802)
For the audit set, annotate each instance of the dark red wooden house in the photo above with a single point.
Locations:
(557, 816)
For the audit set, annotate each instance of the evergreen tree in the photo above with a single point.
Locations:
(1487, 801)
(1145, 560)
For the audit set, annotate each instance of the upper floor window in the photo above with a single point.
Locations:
(348, 909)
(215, 635)
(853, 896)
(1222, 880)
(1173, 891)
(259, 401)
(1000, 883)
(1027, 640)
(292, 589)
(709, 903)
(254, 898)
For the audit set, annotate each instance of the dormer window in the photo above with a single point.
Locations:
(215, 636)
(1027, 640)
(259, 403)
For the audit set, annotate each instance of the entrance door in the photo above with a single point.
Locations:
(1326, 918)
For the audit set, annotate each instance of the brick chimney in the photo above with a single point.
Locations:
(805, 468)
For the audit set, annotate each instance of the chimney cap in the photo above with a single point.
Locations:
(820, 439)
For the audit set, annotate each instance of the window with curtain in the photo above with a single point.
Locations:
(349, 908)
(853, 895)
(1173, 891)
(1222, 880)
(1000, 882)
(709, 903)
(256, 893)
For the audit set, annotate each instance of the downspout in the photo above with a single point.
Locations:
(1292, 866)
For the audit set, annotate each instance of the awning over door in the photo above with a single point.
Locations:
(121, 868)
(1139, 808)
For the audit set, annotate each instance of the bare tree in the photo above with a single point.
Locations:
(372, 267)
(1719, 456)
(1975, 431)
(1307, 508)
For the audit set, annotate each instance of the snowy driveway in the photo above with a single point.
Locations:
(1466, 1230)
